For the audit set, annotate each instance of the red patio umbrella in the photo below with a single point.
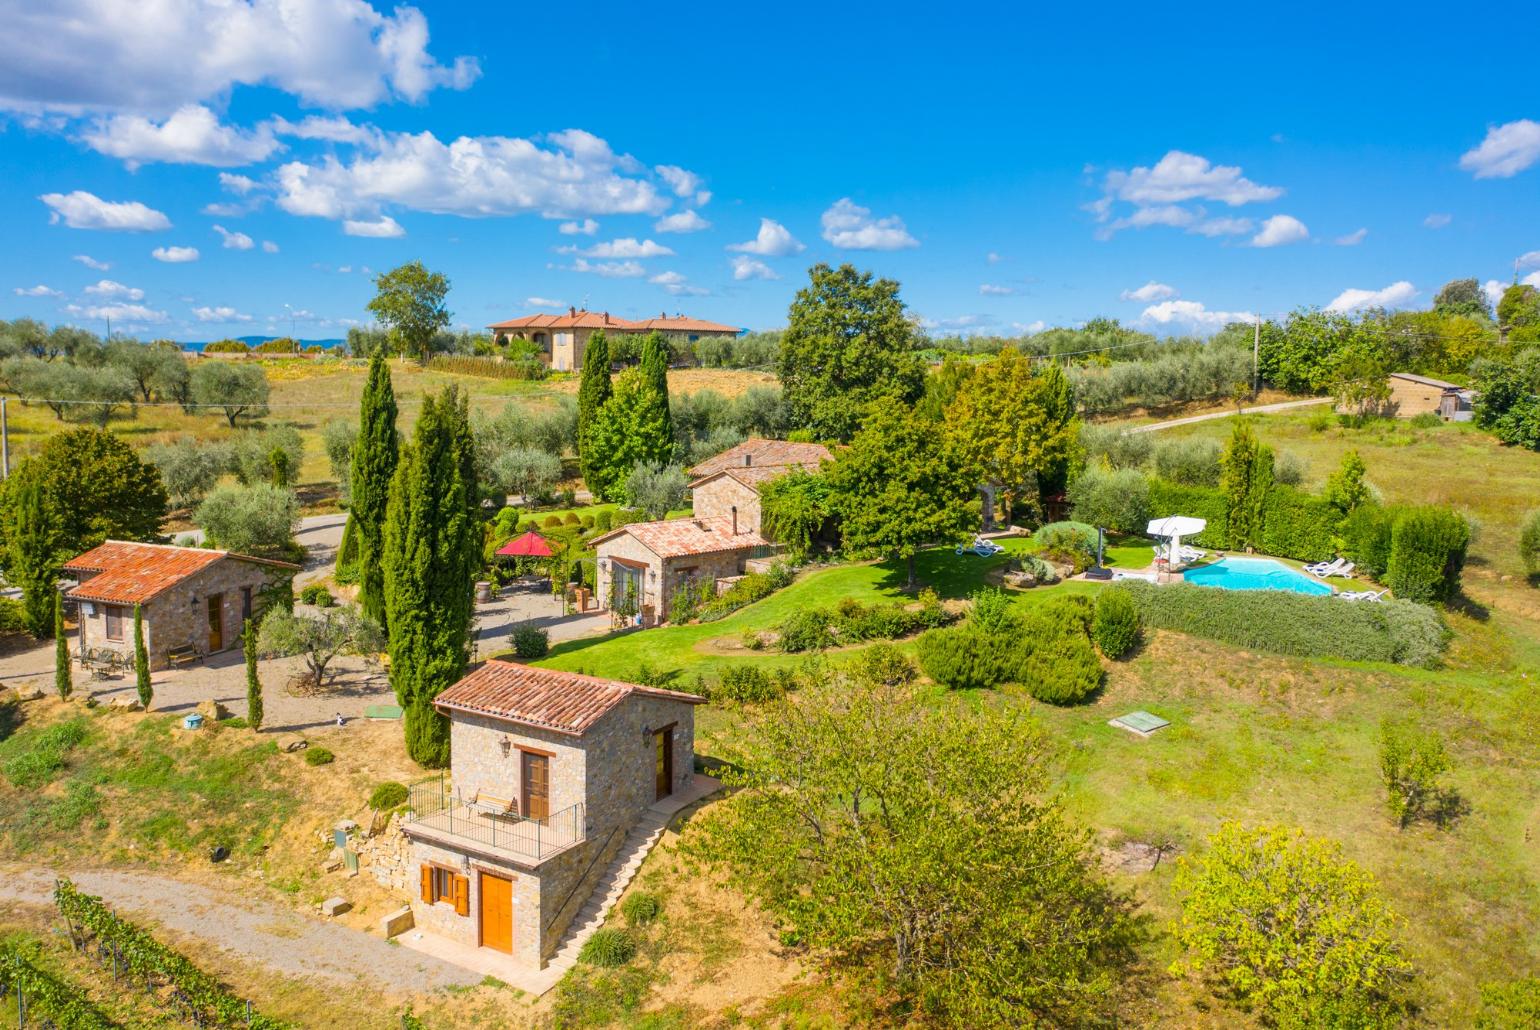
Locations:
(530, 545)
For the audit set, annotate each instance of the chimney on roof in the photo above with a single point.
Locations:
(748, 458)
(735, 520)
(571, 311)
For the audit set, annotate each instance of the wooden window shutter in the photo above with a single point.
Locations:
(427, 884)
(462, 895)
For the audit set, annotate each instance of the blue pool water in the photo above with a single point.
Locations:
(1254, 574)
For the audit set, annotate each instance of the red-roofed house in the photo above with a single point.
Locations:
(643, 564)
(563, 338)
(552, 775)
(191, 600)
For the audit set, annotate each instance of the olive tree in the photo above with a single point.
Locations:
(319, 636)
(189, 467)
(258, 520)
(234, 387)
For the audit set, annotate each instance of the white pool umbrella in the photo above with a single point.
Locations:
(1173, 528)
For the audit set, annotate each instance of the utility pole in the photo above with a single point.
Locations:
(1256, 348)
(5, 443)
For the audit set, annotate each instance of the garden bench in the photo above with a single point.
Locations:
(180, 656)
(491, 804)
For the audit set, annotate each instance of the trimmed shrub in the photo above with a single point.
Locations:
(1204, 502)
(807, 630)
(1427, 552)
(572, 519)
(641, 908)
(587, 521)
(1067, 534)
(1302, 625)
(1059, 670)
(387, 795)
(964, 658)
(1529, 543)
(318, 756)
(1116, 499)
(603, 521)
(746, 684)
(1297, 525)
(1366, 538)
(530, 641)
(883, 663)
(1116, 628)
(12, 615)
(551, 521)
(317, 595)
(608, 947)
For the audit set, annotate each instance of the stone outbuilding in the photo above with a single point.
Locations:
(548, 772)
(562, 339)
(193, 601)
(648, 562)
(1411, 395)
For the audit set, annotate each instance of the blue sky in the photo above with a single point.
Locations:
(195, 170)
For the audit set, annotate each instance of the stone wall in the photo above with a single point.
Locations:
(627, 547)
(718, 497)
(388, 858)
(477, 761)
(179, 616)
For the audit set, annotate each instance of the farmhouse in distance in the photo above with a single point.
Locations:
(562, 339)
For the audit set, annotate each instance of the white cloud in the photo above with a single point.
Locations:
(1507, 150)
(1494, 291)
(36, 291)
(773, 240)
(681, 221)
(234, 240)
(220, 314)
(384, 227)
(678, 285)
(1192, 314)
(474, 177)
(995, 290)
(745, 267)
(1279, 230)
(242, 184)
(175, 255)
(1221, 226)
(683, 183)
(335, 129)
(74, 56)
(1180, 177)
(192, 135)
(628, 247)
(109, 288)
(543, 302)
(1437, 220)
(117, 312)
(1029, 328)
(849, 225)
(993, 258)
(1150, 291)
(610, 269)
(91, 262)
(1532, 279)
(587, 227)
(1530, 258)
(1397, 294)
(82, 210)
(218, 210)
(1352, 239)
(269, 247)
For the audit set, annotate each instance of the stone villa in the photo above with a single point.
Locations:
(563, 338)
(647, 562)
(549, 773)
(193, 602)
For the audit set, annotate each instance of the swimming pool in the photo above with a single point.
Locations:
(1254, 574)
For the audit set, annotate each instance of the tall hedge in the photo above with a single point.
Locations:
(1302, 625)
(1427, 552)
(1294, 524)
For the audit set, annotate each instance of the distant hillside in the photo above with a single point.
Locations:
(253, 341)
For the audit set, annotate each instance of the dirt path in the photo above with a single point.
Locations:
(1260, 409)
(275, 937)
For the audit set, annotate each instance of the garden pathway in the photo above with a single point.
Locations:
(268, 934)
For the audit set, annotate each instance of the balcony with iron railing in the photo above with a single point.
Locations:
(439, 815)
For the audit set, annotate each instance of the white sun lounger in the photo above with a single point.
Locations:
(981, 547)
(1363, 595)
(1326, 568)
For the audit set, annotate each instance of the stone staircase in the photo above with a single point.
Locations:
(617, 876)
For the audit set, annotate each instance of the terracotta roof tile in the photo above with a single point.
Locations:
(681, 324)
(132, 573)
(677, 538)
(763, 453)
(604, 320)
(550, 699)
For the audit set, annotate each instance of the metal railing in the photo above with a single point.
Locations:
(433, 806)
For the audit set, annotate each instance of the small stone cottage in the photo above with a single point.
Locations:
(646, 563)
(193, 602)
(548, 771)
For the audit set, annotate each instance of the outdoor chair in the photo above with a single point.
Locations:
(1327, 568)
(491, 804)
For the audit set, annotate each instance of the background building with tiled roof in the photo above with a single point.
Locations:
(563, 338)
(191, 599)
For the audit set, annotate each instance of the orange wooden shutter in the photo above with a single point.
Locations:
(427, 884)
(462, 895)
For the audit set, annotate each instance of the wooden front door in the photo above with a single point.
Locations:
(664, 746)
(537, 785)
(497, 913)
(216, 623)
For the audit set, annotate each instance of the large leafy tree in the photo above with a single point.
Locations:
(154, 367)
(409, 301)
(259, 520)
(1519, 307)
(319, 637)
(593, 391)
(924, 841)
(847, 343)
(899, 487)
(1015, 425)
(1462, 297)
(1291, 928)
(376, 452)
(431, 551)
(233, 387)
(633, 426)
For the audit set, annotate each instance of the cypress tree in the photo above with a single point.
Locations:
(430, 559)
(61, 651)
(375, 456)
(253, 682)
(32, 555)
(141, 662)
(655, 372)
(593, 391)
